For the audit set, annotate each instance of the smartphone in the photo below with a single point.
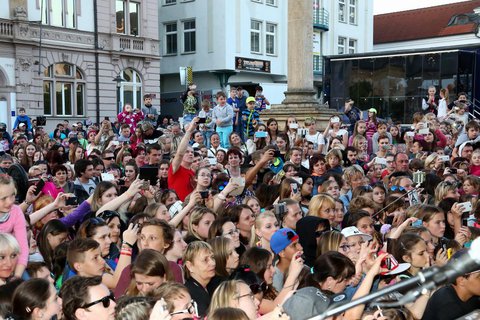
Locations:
(467, 206)
(453, 170)
(202, 120)
(294, 188)
(204, 194)
(71, 201)
(298, 179)
(115, 142)
(444, 158)
(107, 177)
(423, 131)
(388, 263)
(277, 154)
(261, 134)
(449, 253)
(145, 185)
(335, 120)
(293, 125)
(149, 174)
(410, 134)
(280, 209)
(212, 161)
(40, 184)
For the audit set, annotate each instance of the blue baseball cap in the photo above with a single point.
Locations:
(281, 239)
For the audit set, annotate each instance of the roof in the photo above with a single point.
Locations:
(425, 23)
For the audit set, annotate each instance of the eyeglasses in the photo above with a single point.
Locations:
(108, 158)
(192, 309)
(105, 301)
(251, 295)
(231, 232)
(257, 288)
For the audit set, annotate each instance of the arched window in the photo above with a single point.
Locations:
(131, 88)
(63, 90)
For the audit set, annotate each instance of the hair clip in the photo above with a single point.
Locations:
(28, 309)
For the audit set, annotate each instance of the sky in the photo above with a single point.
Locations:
(386, 6)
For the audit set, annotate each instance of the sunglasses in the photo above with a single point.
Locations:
(96, 221)
(397, 188)
(192, 309)
(105, 301)
(257, 288)
(108, 158)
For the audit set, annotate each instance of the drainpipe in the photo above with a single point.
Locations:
(97, 76)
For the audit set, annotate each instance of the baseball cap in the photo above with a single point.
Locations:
(281, 239)
(250, 99)
(395, 267)
(308, 302)
(372, 110)
(353, 231)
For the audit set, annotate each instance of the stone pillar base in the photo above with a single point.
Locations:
(301, 111)
(299, 97)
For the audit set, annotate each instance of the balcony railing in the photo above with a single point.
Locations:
(6, 28)
(318, 65)
(131, 44)
(320, 18)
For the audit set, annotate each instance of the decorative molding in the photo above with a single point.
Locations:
(24, 63)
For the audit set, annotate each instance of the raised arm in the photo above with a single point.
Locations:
(182, 147)
(127, 195)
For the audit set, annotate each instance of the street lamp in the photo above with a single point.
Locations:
(118, 79)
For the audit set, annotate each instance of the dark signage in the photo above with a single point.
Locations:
(252, 64)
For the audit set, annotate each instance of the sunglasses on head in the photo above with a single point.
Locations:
(105, 301)
(96, 221)
(107, 215)
(397, 188)
(258, 288)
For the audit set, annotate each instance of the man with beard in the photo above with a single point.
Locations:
(150, 112)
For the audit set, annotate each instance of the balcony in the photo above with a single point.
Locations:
(130, 44)
(317, 65)
(6, 29)
(320, 19)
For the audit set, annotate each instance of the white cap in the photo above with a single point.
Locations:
(353, 231)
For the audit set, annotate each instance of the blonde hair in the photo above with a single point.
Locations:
(152, 208)
(193, 249)
(442, 189)
(351, 171)
(224, 294)
(8, 242)
(335, 153)
(329, 241)
(318, 201)
(196, 215)
(356, 141)
(431, 159)
(169, 291)
(262, 217)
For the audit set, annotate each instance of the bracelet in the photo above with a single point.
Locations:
(221, 197)
(125, 253)
(28, 204)
(125, 248)
(128, 244)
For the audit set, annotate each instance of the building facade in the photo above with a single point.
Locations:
(244, 42)
(77, 59)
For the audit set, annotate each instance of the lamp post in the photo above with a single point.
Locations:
(118, 79)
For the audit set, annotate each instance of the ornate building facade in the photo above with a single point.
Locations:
(77, 59)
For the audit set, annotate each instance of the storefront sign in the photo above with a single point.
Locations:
(252, 64)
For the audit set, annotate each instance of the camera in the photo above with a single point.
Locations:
(280, 210)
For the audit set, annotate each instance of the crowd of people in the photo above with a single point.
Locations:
(225, 216)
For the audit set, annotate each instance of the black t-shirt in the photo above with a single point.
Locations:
(446, 305)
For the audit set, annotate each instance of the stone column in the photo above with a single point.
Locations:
(300, 55)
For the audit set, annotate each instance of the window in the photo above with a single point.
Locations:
(270, 35)
(341, 45)
(341, 11)
(352, 45)
(171, 38)
(131, 89)
(352, 11)
(59, 13)
(189, 44)
(169, 2)
(127, 17)
(255, 36)
(271, 2)
(63, 91)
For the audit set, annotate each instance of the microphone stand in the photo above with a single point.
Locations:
(422, 277)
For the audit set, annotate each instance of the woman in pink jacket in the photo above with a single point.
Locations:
(130, 117)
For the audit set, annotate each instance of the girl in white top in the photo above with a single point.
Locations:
(442, 105)
(334, 130)
(313, 135)
(291, 126)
